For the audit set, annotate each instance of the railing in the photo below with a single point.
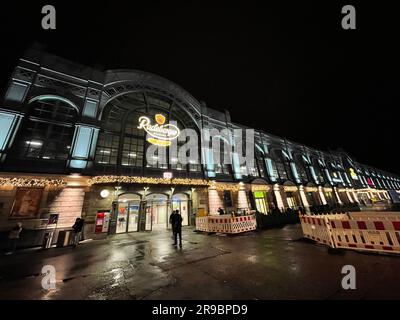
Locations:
(40, 224)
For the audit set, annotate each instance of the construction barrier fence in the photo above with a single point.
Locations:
(226, 224)
(368, 233)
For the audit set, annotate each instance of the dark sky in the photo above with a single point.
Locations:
(288, 68)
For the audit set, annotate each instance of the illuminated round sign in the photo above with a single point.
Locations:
(104, 193)
(161, 134)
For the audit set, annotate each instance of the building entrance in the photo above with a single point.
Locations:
(157, 211)
(128, 213)
(181, 202)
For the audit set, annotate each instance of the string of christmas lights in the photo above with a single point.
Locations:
(31, 182)
(147, 180)
(173, 181)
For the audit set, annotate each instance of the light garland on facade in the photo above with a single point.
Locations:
(310, 189)
(260, 188)
(31, 182)
(147, 180)
(290, 188)
(173, 181)
(225, 186)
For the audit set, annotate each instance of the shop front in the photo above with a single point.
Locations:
(128, 207)
(312, 196)
(330, 196)
(139, 204)
(260, 201)
(292, 197)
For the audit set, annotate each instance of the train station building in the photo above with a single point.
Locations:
(72, 145)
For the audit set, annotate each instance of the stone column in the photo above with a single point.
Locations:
(304, 199)
(322, 196)
(214, 200)
(349, 196)
(337, 195)
(355, 196)
(243, 202)
(278, 197)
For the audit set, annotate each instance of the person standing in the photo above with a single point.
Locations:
(221, 211)
(177, 226)
(13, 237)
(171, 222)
(77, 227)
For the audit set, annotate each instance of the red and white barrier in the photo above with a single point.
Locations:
(338, 231)
(316, 228)
(226, 224)
(381, 236)
(202, 223)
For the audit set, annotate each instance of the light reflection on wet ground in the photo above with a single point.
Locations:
(271, 264)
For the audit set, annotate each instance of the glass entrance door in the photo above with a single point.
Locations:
(291, 200)
(133, 216)
(128, 213)
(261, 204)
(159, 215)
(180, 201)
(122, 217)
(182, 206)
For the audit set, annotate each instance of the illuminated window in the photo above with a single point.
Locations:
(107, 149)
(47, 131)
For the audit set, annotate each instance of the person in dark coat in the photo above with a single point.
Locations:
(171, 218)
(177, 227)
(13, 237)
(221, 211)
(77, 227)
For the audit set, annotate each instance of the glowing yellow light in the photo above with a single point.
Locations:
(161, 134)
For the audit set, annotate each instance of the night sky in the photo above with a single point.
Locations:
(289, 68)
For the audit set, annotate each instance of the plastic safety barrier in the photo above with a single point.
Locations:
(226, 224)
(381, 236)
(202, 223)
(342, 231)
(316, 228)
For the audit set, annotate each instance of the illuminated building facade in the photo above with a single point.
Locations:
(73, 143)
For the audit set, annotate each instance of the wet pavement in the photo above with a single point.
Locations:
(271, 264)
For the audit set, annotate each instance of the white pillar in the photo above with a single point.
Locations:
(386, 195)
(214, 201)
(337, 195)
(243, 202)
(321, 195)
(278, 197)
(349, 196)
(304, 199)
(355, 196)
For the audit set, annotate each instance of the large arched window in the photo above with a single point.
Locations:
(318, 170)
(122, 147)
(282, 165)
(259, 153)
(47, 130)
(301, 166)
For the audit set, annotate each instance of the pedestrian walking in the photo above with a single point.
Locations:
(77, 227)
(177, 226)
(13, 237)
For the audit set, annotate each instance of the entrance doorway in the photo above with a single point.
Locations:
(291, 200)
(180, 201)
(157, 209)
(128, 213)
(261, 204)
